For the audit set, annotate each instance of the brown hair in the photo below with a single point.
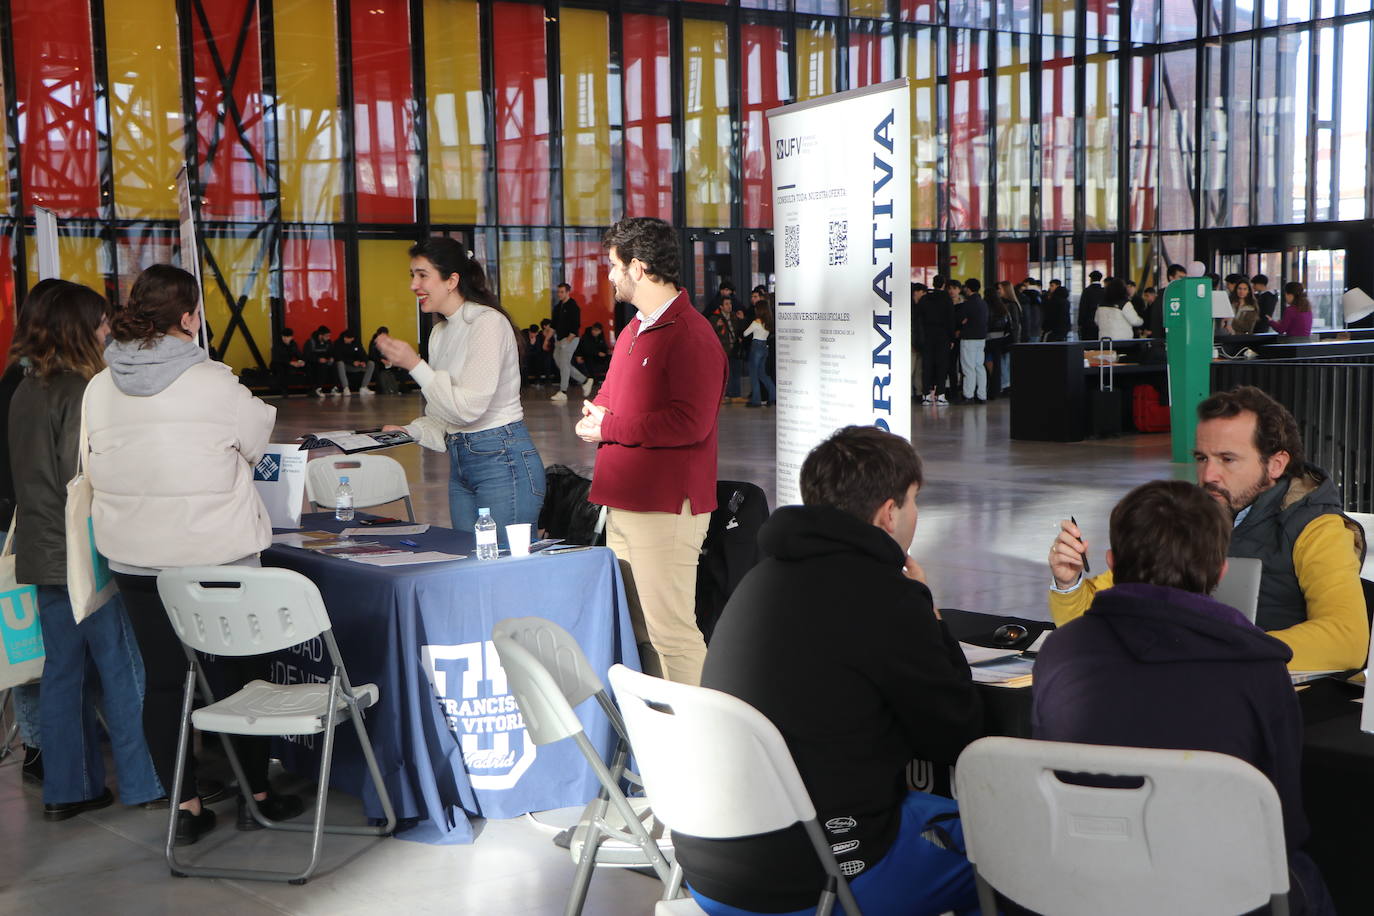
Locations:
(1172, 533)
(1275, 428)
(650, 240)
(764, 313)
(858, 469)
(160, 296)
(58, 333)
(1300, 301)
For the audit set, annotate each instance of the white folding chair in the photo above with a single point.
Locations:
(549, 675)
(374, 479)
(1194, 831)
(242, 610)
(717, 768)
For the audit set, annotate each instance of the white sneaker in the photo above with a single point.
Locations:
(559, 396)
(319, 392)
(347, 392)
(587, 385)
(941, 399)
(365, 392)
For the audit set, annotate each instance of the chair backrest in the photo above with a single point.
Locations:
(1240, 587)
(241, 610)
(546, 711)
(715, 766)
(557, 651)
(374, 479)
(1202, 832)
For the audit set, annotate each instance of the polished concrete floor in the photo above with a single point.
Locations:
(988, 513)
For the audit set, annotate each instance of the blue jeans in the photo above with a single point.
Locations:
(497, 469)
(758, 359)
(101, 645)
(915, 877)
(26, 713)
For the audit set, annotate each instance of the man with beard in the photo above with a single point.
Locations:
(654, 420)
(1286, 513)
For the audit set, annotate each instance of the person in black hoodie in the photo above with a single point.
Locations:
(1155, 662)
(972, 316)
(936, 316)
(350, 359)
(834, 637)
(1088, 303)
(319, 360)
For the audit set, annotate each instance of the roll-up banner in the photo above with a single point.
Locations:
(190, 245)
(45, 232)
(842, 254)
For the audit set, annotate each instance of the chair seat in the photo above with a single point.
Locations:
(261, 708)
(616, 851)
(682, 906)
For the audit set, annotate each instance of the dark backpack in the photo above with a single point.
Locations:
(730, 550)
(567, 513)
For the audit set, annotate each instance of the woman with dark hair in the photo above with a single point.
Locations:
(471, 385)
(60, 348)
(1246, 307)
(760, 330)
(1297, 312)
(1116, 317)
(174, 438)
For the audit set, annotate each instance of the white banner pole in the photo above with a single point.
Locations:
(842, 249)
(190, 246)
(45, 235)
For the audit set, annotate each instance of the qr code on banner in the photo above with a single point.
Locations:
(839, 242)
(791, 246)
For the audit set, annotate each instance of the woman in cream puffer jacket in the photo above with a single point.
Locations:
(174, 438)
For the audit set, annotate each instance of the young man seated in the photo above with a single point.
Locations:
(1155, 662)
(834, 636)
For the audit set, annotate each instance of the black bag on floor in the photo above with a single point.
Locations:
(730, 550)
(1104, 401)
(567, 513)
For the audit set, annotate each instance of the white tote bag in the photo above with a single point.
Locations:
(89, 581)
(21, 657)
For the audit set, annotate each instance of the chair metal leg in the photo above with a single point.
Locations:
(822, 847)
(374, 770)
(410, 511)
(987, 898)
(636, 828)
(1278, 905)
(591, 841)
(179, 772)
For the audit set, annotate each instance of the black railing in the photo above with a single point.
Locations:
(1334, 406)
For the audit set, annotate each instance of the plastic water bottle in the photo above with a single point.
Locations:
(343, 501)
(485, 529)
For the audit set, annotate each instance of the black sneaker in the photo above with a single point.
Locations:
(191, 827)
(274, 807)
(64, 810)
(33, 764)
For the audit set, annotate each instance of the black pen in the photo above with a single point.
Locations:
(1086, 570)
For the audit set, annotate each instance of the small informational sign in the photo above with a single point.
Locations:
(842, 225)
(279, 477)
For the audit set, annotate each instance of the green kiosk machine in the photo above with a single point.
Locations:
(1188, 339)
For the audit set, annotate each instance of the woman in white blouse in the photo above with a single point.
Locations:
(760, 330)
(471, 385)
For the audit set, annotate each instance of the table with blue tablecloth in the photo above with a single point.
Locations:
(447, 731)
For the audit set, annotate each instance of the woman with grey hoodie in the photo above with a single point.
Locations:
(174, 438)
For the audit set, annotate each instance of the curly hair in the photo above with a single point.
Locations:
(650, 241)
(58, 332)
(1275, 428)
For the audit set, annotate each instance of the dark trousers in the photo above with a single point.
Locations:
(164, 665)
(934, 365)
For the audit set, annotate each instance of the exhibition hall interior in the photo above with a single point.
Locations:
(1140, 399)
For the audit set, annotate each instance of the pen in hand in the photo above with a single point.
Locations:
(1086, 569)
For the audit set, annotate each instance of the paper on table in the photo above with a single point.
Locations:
(1039, 641)
(385, 531)
(1010, 673)
(407, 559)
(1304, 677)
(980, 655)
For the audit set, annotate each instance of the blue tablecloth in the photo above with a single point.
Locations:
(447, 732)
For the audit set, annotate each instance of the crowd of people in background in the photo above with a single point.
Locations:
(961, 342)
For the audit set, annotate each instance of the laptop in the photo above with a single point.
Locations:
(1240, 586)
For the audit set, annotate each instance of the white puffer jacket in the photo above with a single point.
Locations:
(172, 469)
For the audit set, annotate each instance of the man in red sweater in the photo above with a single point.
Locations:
(655, 421)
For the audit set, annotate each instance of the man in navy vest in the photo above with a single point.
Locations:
(1286, 513)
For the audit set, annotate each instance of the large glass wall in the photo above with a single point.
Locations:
(1047, 135)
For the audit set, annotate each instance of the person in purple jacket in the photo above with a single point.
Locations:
(1297, 312)
(1155, 662)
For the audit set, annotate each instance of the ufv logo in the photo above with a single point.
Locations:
(787, 146)
(470, 686)
(269, 468)
(19, 624)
